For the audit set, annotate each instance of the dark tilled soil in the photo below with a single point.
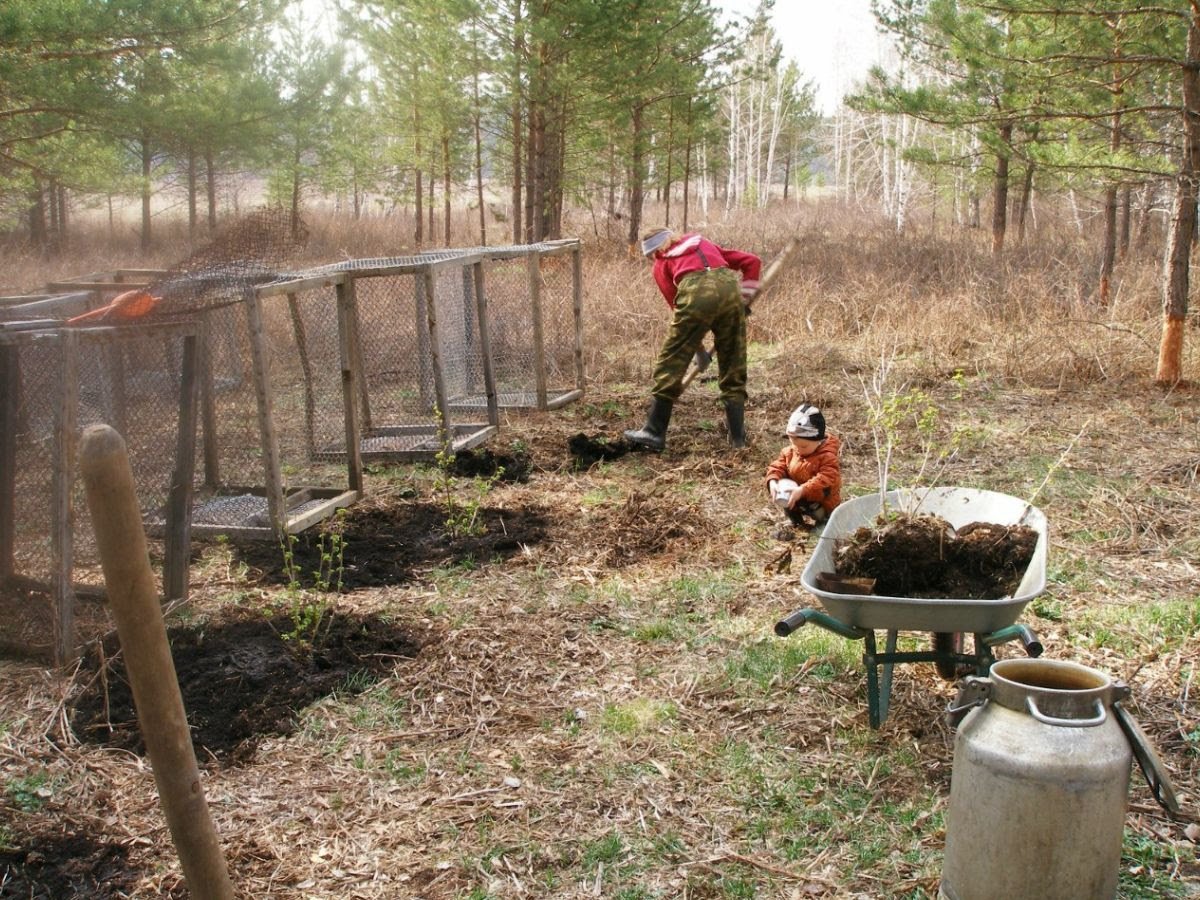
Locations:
(484, 463)
(242, 681)
(923, 556)
(587, 451)
(63, 866)
(389, 542)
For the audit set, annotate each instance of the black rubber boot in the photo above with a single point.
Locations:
(653, 435)
(735, 418)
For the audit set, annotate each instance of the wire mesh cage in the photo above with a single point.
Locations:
(535, 304)
(412, 337)
(140, 379)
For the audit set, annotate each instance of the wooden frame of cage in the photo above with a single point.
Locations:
(364, 436)
(533, 254)
(61, 586)
(110, 283)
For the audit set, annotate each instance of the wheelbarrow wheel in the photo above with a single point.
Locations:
(948, 642)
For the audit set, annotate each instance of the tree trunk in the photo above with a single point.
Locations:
(1000, 189)
(210, 186)
(296, 190)
(62, 216)
(518, 51)
(418, 186)
(687, 165)
(432, 179)
(446, 183)
(1126, 203)
(1183, 224)
(193, 213)
(478, 148)
(37, 215)
(1023, 209)
(635, 177)
(1108, 254)
(147, 162)
(670, 147)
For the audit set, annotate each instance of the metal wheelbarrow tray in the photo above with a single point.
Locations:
(958, 506)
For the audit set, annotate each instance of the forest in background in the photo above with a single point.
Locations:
(507, 114)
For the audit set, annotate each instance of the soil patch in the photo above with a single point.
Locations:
(241, 680)
(924, 556)
(388, 542)
(63, 866)
(485, 463)
(590, 450)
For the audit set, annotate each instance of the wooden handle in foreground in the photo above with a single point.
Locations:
(133, 598)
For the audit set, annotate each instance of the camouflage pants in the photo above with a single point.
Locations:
(706, 301)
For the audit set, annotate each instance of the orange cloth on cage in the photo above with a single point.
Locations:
(123, 308)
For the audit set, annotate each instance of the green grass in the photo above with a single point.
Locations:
(767, 663)
(31, 792)
(636, 716)
(1166, 625)
(1146, 867)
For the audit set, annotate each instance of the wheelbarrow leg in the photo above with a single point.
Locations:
(879, 677)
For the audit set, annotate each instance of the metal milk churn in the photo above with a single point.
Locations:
(1039, 787)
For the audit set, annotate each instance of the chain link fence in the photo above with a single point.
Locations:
(141, 379)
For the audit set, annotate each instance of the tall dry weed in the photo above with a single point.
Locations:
(934, 294)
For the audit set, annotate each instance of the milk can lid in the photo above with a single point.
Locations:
(1148, 761)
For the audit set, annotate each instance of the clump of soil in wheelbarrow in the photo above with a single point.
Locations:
(924, 556)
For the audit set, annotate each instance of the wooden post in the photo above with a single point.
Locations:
(360, 363)
(10, 400)
(108, 483)
(310, 406)
(347, 326)
(577, 308)
(435, 347)
(533, 265)
(62, 546)
(208, 404)
(178, 530)
(485, 346)
(266, 414)
(421, 330)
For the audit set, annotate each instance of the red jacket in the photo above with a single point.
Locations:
(819, 474)
(683, 256)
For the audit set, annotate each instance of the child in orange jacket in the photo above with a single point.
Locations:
(806, 478)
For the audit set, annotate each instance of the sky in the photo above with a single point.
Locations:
(834, 42)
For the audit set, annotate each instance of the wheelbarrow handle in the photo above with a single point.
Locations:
(792, 621)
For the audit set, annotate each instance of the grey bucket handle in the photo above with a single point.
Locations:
(1099, 719)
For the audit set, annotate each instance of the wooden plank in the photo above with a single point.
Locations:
(485, 344)
(272, 475)
(178, 541)
(310, 403)
(347, 340)
(435, 349)
(99, 287)
(563, 399)
(299, 285)
(533, 265)
(322, 512)
(62, 546)
(10, 399)
(577, 312)
(474, 439)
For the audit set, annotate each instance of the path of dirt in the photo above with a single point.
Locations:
(388, 541)
(64, 866)
(242, 680)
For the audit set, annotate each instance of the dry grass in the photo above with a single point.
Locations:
(609, 715)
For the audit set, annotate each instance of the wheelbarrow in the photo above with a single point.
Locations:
(853, 611)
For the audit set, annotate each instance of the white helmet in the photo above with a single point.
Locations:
(806, 421)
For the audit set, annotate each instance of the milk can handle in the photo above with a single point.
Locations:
(1097, 719)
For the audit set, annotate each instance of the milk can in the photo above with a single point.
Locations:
(1039, 787)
